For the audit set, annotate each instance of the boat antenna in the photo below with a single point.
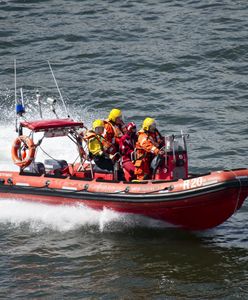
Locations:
(22, 98)
(15, 95)
(39, 103)
(61, 98)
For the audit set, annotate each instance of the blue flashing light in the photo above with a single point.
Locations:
(20, 109)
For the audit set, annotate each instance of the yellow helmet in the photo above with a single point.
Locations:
(97, 123)
(114, 114)
(147, 123)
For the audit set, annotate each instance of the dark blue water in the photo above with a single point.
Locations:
(182, 62)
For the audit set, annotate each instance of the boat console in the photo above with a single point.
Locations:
(174, 164)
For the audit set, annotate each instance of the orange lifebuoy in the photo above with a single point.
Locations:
(23, 151)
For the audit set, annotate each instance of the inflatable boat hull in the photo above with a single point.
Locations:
(198, 203)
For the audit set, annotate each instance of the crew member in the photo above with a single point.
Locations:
(114, 127)
(148, 145)
(127, 145)
(99, 147)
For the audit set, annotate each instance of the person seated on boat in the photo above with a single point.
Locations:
(127, 145)
(147, 147)
(99, 147)
(115, 127)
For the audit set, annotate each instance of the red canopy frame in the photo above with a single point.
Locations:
(47, 125)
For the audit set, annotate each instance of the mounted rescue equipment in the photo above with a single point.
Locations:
(23, 151)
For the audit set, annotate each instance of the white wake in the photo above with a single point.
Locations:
(38, 216)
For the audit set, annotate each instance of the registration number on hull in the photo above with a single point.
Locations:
(193, 183)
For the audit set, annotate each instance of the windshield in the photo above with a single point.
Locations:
(176, 142)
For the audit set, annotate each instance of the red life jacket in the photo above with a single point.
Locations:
(127, 145)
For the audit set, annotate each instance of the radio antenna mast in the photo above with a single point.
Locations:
(61, 98)
(15, 94)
